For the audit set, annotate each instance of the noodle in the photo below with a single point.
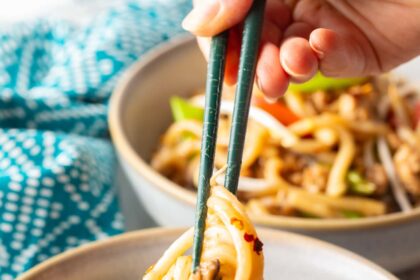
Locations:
(231, 248)
(317, 203)
(332, 158)
(310, 124)
(296, 103)
(336, 185)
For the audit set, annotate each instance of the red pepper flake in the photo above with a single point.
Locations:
(258, 245)
(237, 223)
(249, 237)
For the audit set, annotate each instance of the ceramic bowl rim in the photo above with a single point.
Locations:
(128, 155)
(156, 233)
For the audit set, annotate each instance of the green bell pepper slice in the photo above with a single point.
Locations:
(360, 185)
(184, 110)
(320, 82)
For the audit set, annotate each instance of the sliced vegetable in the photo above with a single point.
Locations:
(277, 110)
(397, 188)
(320, 82)
(359, 185)
(351, 214)
(184, 110)
(277, 130)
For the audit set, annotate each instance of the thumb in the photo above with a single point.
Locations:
(210, 17)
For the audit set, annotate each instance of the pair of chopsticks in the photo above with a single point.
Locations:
(252, 29)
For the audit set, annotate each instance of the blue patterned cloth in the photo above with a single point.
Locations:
(56, 161)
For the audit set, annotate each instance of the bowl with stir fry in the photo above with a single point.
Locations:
(232, 249)
(337, 159)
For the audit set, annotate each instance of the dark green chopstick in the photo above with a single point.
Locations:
(216, 67)
(215, 74)
(249, 52)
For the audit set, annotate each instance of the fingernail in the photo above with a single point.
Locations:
(257, 80)
(319, 53)
(201, 15)
(297, 77)
(270, 99)
(288, 70)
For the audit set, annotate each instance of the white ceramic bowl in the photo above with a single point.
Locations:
(287, 256)
(140, 113)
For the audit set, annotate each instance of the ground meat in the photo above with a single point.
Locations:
(362, 90)
(208, 271)
(295, 178)
(353, 108)
(292, 162)
(393, 140)
(315, 178)
(377, 175)
(407, 164)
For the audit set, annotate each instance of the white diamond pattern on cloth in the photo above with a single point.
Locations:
(56, 161)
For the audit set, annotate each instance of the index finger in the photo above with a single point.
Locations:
(210, 17)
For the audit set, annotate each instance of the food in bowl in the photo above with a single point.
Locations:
(231, 247)
(128, 255)
(390, 240)
(329, 149)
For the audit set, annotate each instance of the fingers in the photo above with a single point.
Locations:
(277, 17)
(303, 53)
(210, 17)
(232, 57)
(338, 57)
(294, 60)
(296, 55)
(298, 29)
(270, 76)
(204, 44)
(298, 59)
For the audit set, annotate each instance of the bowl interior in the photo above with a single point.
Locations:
(146, 112)
(140, 114)
(287, 256)
(176, 70)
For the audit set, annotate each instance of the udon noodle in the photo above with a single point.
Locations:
(344, 153)
(231, 248)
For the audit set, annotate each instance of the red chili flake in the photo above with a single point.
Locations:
(258, 245)
(249, 237)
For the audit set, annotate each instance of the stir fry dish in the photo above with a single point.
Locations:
(231, 247)
(331, 148)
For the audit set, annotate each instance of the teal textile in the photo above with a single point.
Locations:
(56, 160)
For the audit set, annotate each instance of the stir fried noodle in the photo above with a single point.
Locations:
(343, 153)
(231, 248)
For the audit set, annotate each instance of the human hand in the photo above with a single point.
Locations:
(338, 37)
